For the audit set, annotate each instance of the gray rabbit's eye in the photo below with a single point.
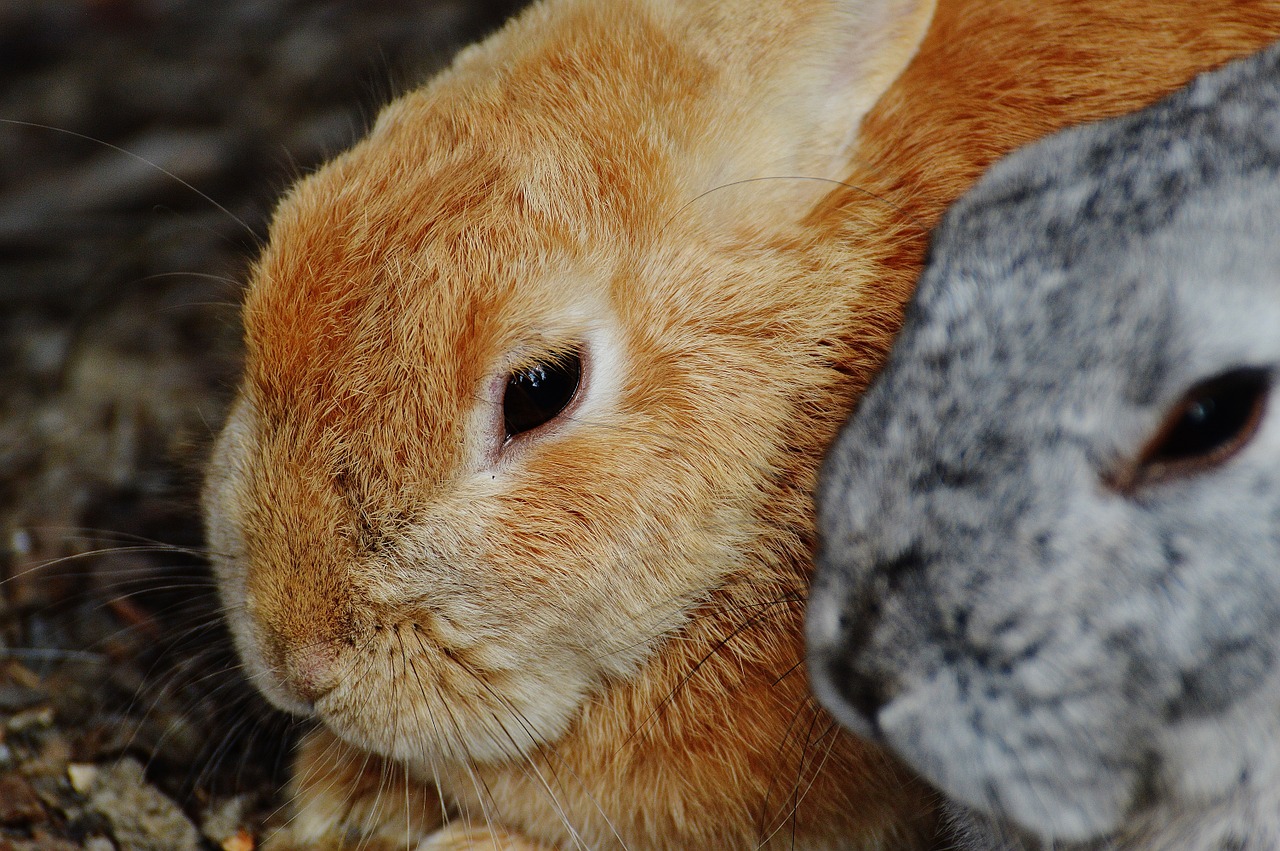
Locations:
(537, 394)
(1214, 420)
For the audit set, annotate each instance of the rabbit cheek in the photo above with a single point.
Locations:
(974, 698)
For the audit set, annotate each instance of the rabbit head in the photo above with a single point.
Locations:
(522, 381)
(1049, 569)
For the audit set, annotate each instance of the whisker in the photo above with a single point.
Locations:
(258, 240)
(692, 672)
(48, 654)
(748, 180)
(528, 765)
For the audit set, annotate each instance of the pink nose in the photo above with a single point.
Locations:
(311, 671)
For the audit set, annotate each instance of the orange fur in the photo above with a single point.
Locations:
(591, 637)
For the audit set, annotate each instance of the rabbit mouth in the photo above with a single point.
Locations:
(1049, 765)
(424, 707)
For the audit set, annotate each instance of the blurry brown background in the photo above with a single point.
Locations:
(118, 350)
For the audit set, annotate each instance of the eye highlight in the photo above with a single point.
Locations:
(538, 393)
(1212, 422)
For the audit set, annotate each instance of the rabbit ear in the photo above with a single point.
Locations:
(795, 80)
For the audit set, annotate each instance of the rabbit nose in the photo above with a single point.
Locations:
(842, 655)
(310, 671)
(860, 695)
(840, 632)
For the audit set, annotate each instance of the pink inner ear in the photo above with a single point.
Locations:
(794, 107)
(881, 39)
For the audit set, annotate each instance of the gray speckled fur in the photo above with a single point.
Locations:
(1079, 662)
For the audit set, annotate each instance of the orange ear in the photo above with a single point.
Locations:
(795, 81)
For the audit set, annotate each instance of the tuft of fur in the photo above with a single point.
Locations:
(591, 635)
(1047, 618)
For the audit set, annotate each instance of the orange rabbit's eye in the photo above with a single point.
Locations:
(536, 394)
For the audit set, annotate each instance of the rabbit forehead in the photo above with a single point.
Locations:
(470, 208)
(1220, 257)
(398, 355)
(405, 275)
(1086, 198)
(1091, 348)
(1124, 249)
(452, 256)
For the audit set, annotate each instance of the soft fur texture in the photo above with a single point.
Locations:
(1022, 589)
(591, 636)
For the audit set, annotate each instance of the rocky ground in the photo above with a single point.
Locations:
(142, 144)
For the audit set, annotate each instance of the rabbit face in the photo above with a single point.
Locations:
(411, 530)
(1050, 533)
(515, 403)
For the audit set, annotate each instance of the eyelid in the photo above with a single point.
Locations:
(1148, 468)
(501, 449)
(565, 373)
(544, 354)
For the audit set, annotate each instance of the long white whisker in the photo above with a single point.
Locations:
(64, 131)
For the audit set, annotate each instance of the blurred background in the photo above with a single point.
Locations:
(142, 146)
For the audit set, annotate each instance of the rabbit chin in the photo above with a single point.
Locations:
(419, 711)
(1004, 755)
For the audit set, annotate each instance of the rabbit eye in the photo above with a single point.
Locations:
(537, 394)
(1211, 423)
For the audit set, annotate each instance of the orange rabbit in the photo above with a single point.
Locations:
(514, 500)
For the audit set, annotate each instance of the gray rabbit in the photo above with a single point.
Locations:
(1049, 567)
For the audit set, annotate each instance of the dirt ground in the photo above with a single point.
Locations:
(142, 145)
